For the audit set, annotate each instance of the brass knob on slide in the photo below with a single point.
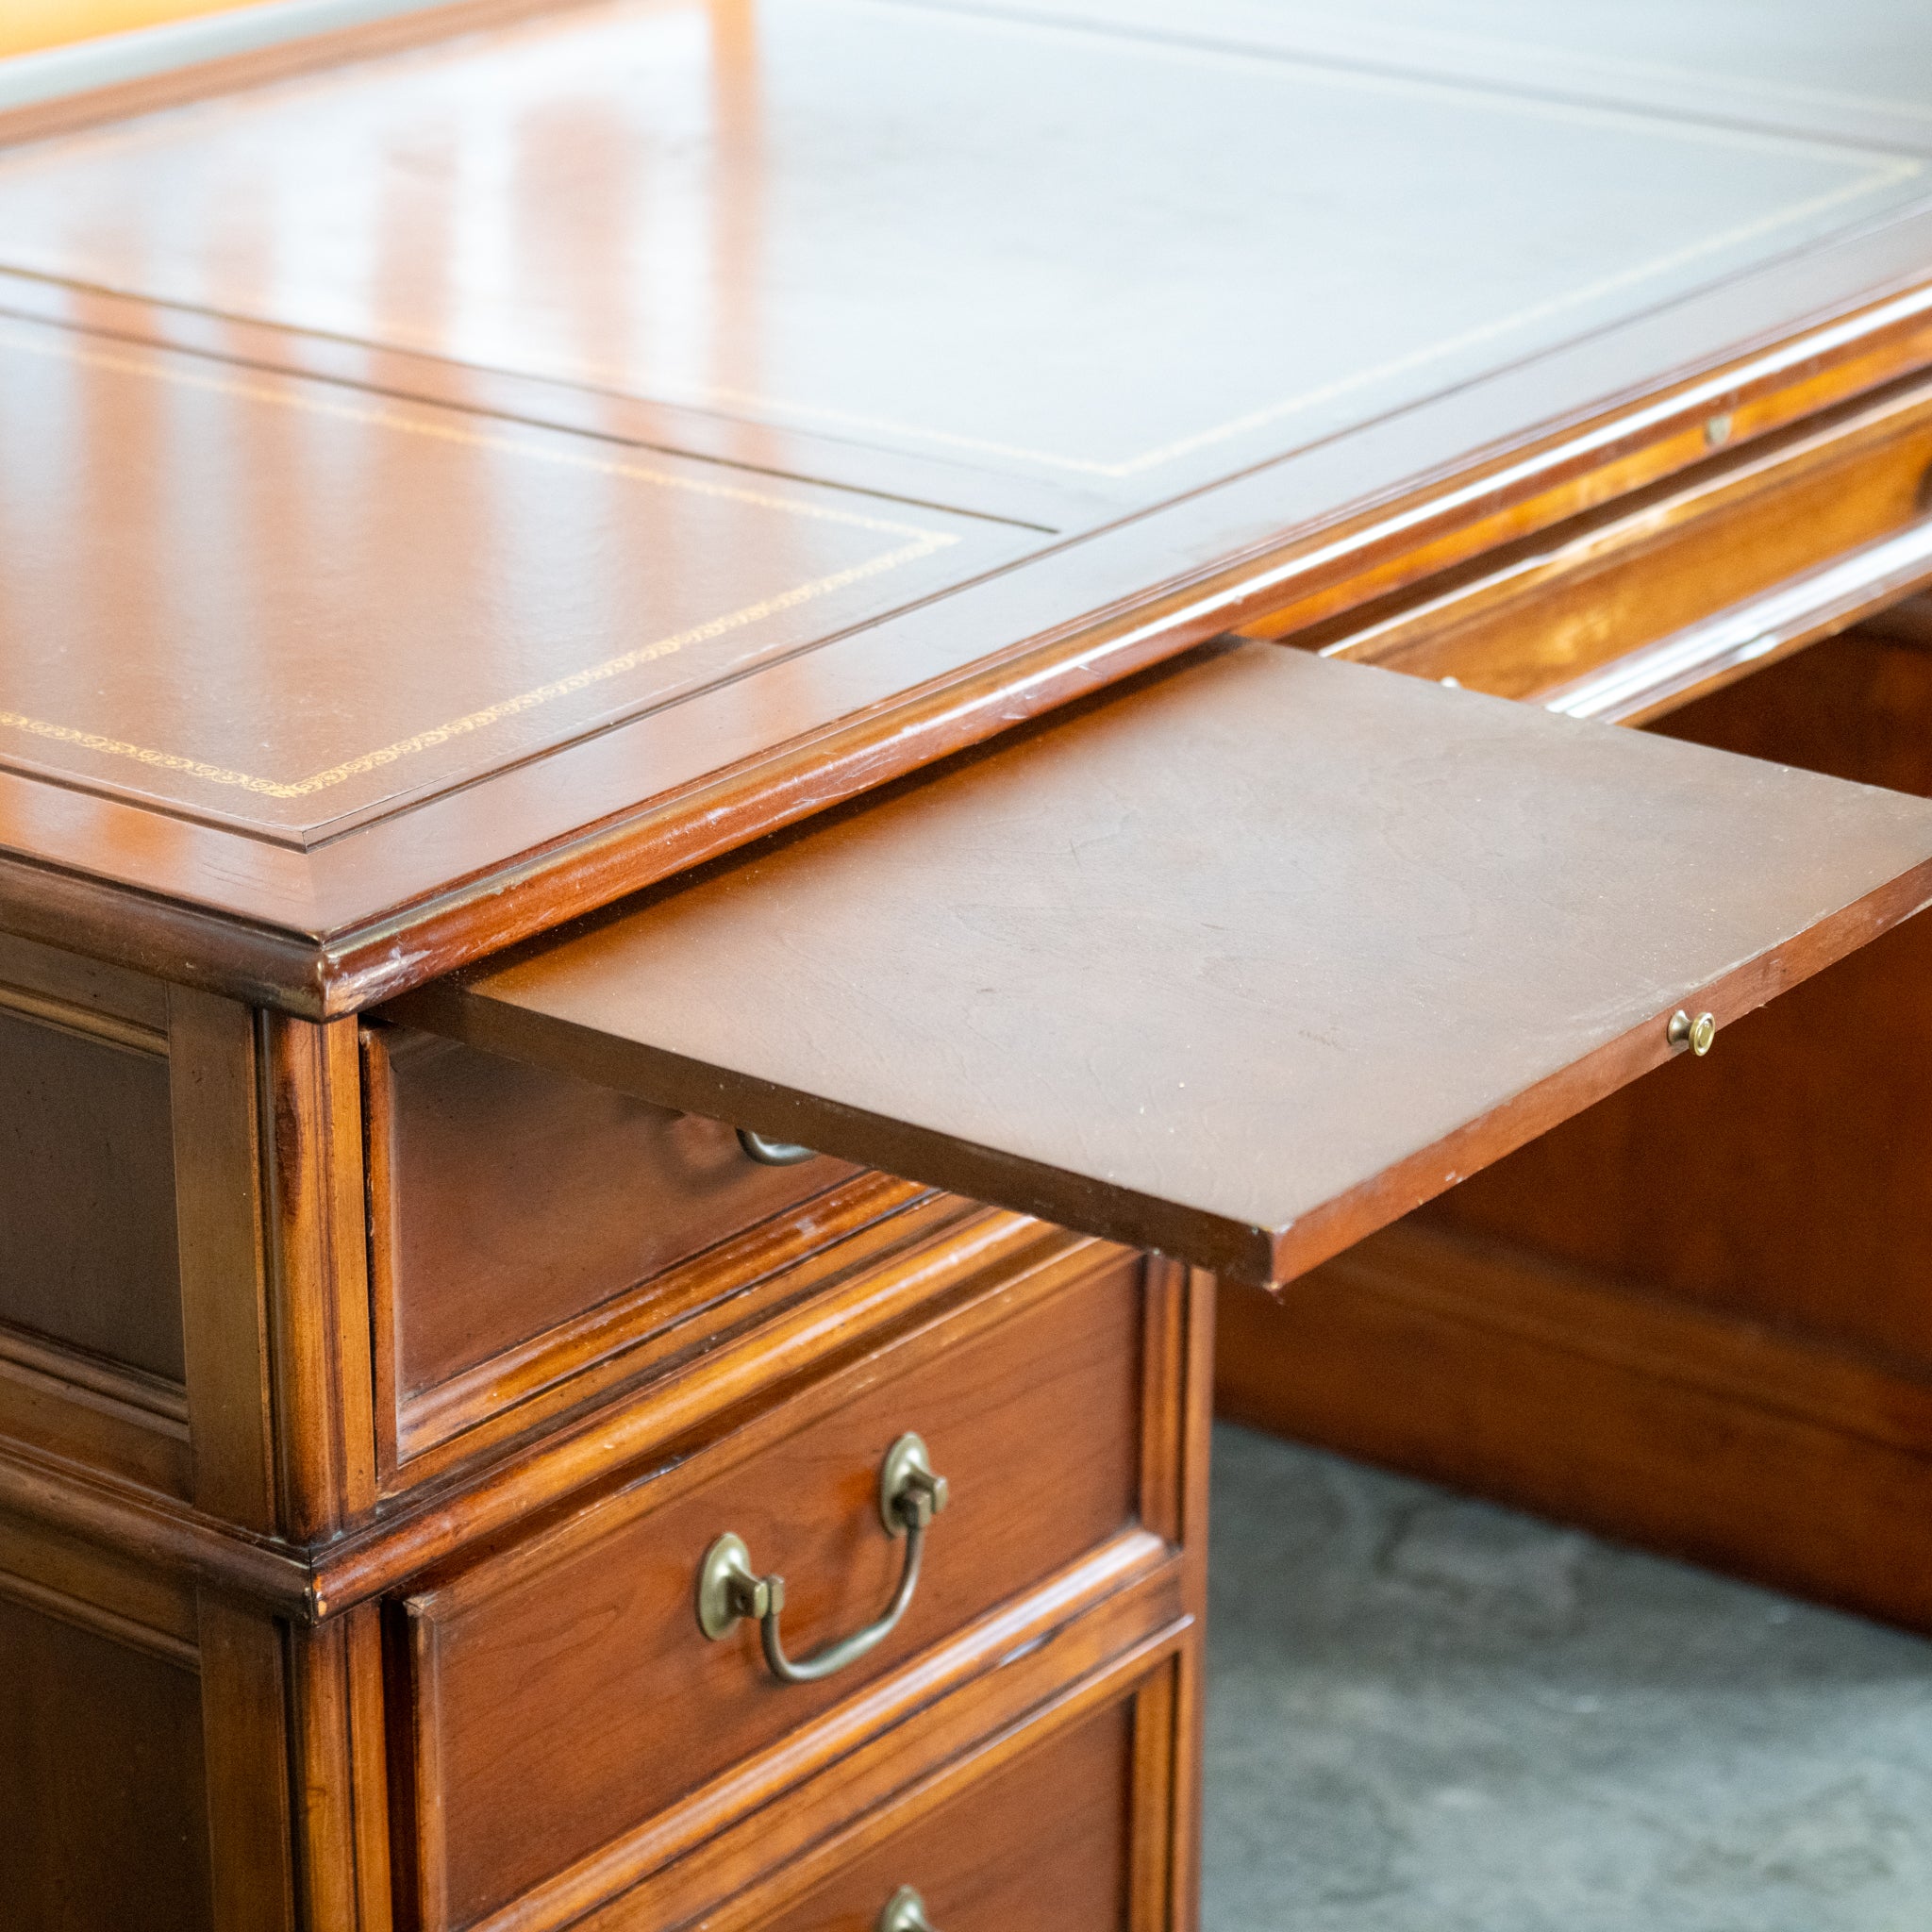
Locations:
(904, 1911)
(1696, 1034)
(729, 1589)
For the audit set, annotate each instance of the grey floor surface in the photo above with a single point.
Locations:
(1426, 1714)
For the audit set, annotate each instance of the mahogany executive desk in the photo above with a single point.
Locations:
(598, 597)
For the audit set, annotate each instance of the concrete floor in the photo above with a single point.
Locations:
(1429, 1715)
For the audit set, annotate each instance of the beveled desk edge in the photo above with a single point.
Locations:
(391, 904)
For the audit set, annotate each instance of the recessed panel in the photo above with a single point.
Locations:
(88, 1253)
(103, 1782)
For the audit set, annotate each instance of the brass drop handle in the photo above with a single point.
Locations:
(770, 1153)
(729, 1589)
(1696, 1034)
(904, 1911)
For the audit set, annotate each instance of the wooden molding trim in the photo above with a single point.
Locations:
(130, 1601)
(84, 995)
(77, 1406)
(335, 1722)
(1705, 658)
(315, 1263)
(70, 1017)
(163, 1402)
(1763, 1452)
(135, 1522)
(102, 1620)
(1190, 1692)
(898, 1303)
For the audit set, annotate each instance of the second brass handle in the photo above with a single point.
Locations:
(770, 1153)
(729, 1589)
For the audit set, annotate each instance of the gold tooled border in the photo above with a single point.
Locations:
(292, 394)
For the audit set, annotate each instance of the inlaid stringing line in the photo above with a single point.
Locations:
(925, 542)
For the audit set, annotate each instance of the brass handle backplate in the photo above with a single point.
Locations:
(904, 1911)
(729, 1589)
(770, 1153)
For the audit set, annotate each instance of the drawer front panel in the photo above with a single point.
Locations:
(1040, 1845)
(565, 1693)
(508, 1200)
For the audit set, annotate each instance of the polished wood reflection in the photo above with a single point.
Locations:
(29, 25)
(277, 602)
(1128, 260)
(590, 441)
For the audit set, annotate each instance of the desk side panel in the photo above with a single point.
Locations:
(104, 1816)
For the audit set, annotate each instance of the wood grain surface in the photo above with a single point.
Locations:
(1042, 1844)
(1037, 1424)
(1238, 964)
(506, 1201)
(103, 1812)
(802, 215)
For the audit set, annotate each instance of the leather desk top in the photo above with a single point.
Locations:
(445, 491)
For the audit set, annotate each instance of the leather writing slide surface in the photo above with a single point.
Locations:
(392, 573)
(1237, 962)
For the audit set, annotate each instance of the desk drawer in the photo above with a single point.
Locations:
(562, 1692)
(1042, 1844)
(508, 1203)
